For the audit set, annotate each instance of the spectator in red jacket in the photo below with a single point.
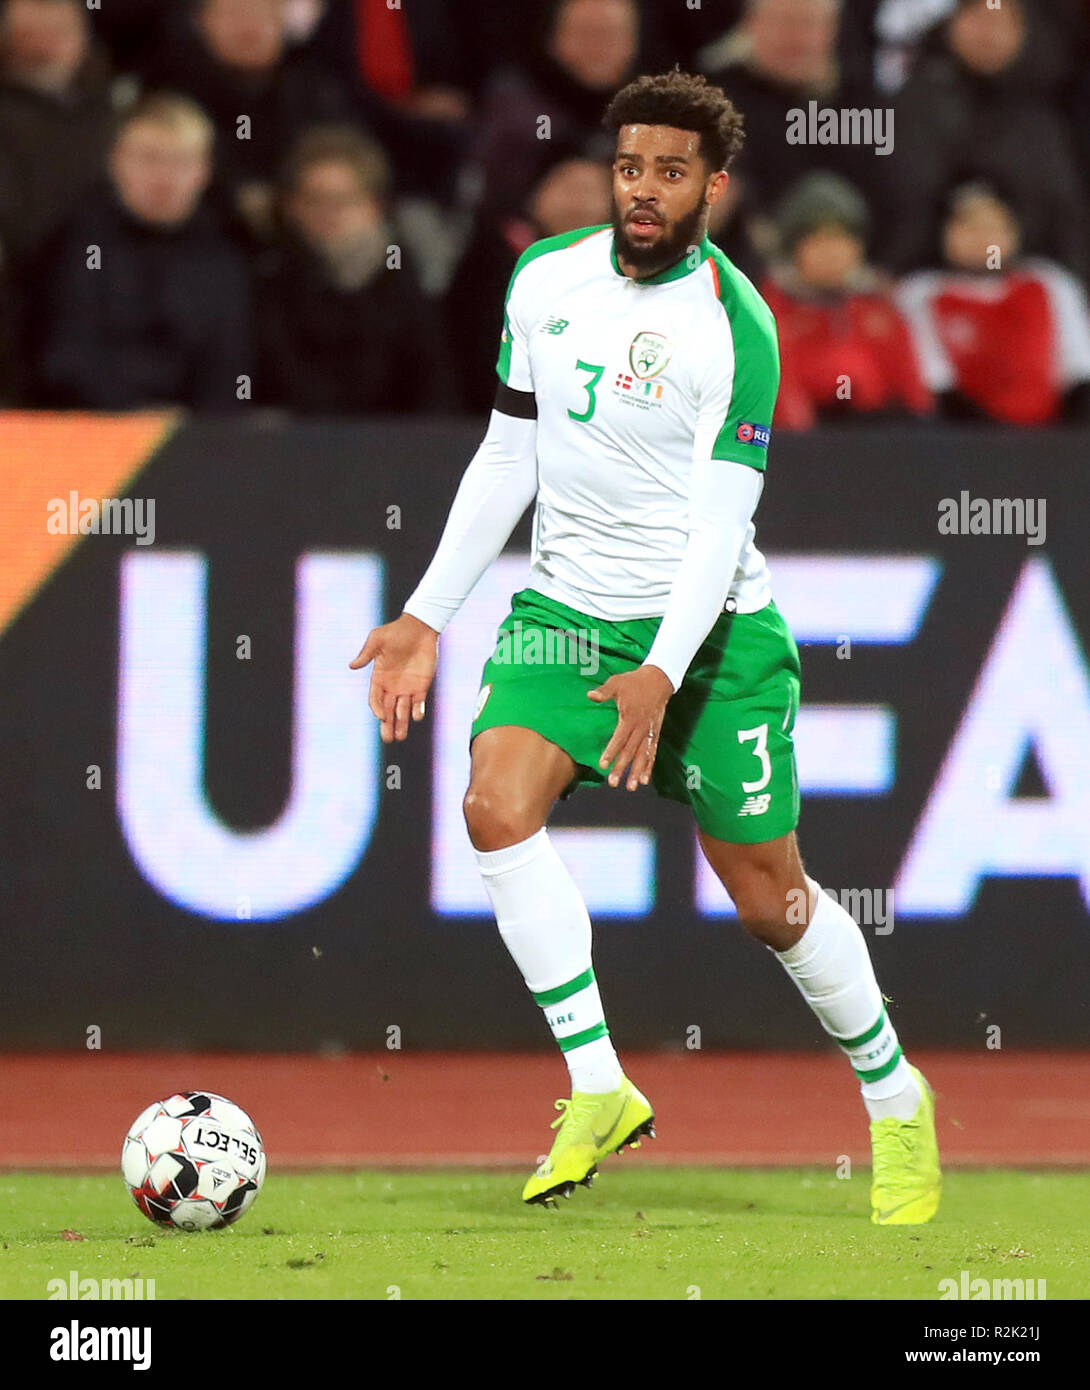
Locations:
(1000, 337)
(845, 351)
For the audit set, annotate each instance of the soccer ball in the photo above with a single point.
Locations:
(194, 1161)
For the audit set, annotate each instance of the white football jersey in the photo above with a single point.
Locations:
(633, 380)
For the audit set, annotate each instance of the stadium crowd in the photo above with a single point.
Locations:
(315, 205)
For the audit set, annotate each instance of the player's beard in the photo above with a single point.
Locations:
(687, 230)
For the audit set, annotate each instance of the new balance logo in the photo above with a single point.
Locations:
(554, 325)
(756, 805)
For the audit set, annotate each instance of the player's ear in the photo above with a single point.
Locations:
(716, 187)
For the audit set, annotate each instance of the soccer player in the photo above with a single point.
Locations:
(638, 371)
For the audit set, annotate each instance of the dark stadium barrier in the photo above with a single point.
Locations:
(205, 844)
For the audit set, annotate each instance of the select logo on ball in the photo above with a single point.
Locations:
(194, 1161)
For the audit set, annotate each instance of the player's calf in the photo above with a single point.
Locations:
(764, 881)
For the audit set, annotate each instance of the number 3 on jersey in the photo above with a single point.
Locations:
(588, 387)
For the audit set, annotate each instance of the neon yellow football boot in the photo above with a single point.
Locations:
(591, 1126)
(907, 1182)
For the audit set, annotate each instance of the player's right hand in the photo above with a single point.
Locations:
(404, 652)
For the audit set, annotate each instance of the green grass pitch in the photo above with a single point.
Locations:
(651, 1232)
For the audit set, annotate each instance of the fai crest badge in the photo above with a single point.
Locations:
(649, 354)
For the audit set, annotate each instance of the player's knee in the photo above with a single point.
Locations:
(496, 818)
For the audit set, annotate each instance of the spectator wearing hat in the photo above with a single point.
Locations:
(1001, 337)
(846, 352)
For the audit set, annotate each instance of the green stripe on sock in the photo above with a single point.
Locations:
(865, 1037)
(587, 1035)
(558, 992)
(881, 1071)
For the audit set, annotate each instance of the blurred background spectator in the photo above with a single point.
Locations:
(408, 71)
(845, 351)
(343, 326)
(987, 103)
(56, 119)
(143, 300)
(233, 58)
(409, 57)
(587, 49)
(457, 135)
(1002, 337)
(782, 56)
(574, 192)
(885, 38)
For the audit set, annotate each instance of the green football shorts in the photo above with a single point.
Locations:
(726, 746)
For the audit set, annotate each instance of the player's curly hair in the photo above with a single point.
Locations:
(689, 102)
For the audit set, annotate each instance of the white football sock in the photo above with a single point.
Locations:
(544, 924)
(832, 968)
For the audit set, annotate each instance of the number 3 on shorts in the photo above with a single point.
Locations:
(760, 750)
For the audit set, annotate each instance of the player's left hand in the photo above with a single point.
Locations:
(641, 697)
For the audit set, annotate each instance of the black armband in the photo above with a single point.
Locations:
(521, 404)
